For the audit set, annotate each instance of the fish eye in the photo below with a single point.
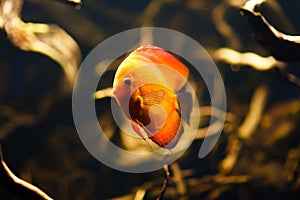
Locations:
(127, 81)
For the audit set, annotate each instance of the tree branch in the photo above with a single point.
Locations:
(18, 186)
(281, 46)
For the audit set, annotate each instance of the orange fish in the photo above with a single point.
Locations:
(146, 87)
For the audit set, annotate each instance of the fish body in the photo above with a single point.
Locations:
(145, 86)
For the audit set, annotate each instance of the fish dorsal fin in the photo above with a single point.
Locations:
(175, 81)
(174, 71)
(151, 63)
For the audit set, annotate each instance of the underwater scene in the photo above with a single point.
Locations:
(149, 99)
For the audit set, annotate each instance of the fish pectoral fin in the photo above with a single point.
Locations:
(185, 100)
(154, 97)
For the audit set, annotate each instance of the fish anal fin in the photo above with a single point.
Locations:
(138, 131)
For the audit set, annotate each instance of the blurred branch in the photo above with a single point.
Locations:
(152, 10)
(178, 179)
(279, 122)
(289, 76)
(245, 130)
(218, 17)
(214, 185)
(253, 60)
(281, 46)
(253, 118)
(139, 195)
(291, 164)
(75, 3)
(165, 183)
(147, 19)
(99, 94)
(233, 149)
(14, 118)
(18, 186)
(217, 126)
(49, 40)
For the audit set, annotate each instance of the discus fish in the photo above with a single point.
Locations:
(147, 86)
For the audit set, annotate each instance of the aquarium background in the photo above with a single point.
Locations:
(40, 143)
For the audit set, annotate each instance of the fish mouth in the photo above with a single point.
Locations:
(113, 91)
(116, 92)
(115, 95)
